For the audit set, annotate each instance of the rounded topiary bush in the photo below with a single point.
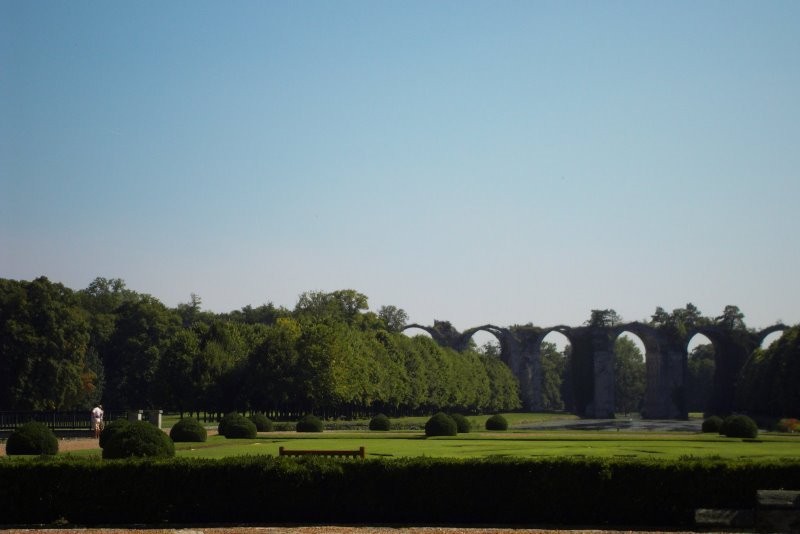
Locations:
(262, 422)
(462, 423)
(229, 419)
(441, 424)
(139, 438)
(739, 426)
(241, 429)
(111, 430)
(713, 424)
(32, 438)
(309, 423)
(380, 422)
(496, 422)
(188, 430)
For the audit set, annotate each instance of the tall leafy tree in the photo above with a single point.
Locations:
(700, 377)
(629, 376)
(732, 319)
(606, 317)
(145, 328)
(342, 305)
(44, 338)
(393, 317)
(553, 367)
(768, 383)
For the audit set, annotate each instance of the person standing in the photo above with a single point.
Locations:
(97, 420)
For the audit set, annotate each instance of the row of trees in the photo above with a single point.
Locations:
(64, 349)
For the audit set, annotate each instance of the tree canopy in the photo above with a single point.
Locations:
(59, 348)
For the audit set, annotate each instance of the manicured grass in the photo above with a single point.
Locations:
(477, 421)
(477, 445)
(540, 444)
(515, 442)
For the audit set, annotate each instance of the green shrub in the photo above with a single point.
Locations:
(713, 424)
(309, 423)
(241, 429)
(380, 422)
(283, 426)
(188, 430)
(139, 438)
(441, 424)
(111, 429)
(602, 491)
(32, 438)
(496, 422)
(462, 423)
(739, 426)
(262, 422)
(228, 419)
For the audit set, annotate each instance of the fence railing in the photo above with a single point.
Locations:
(73, 420)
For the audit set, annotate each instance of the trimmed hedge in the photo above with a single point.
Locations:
(309, 423)
(227, 420)
(262, 422)
(462, 423)
(497, 422)
(441, 424)
(241, 429)
(188, 430)
(32, 438)
(380, 422)
(111, 430)
(739, 426)
(267, 489)
(139, 439)
(712, 425)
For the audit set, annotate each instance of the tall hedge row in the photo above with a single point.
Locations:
(415, 490)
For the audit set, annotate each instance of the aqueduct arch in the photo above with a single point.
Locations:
(592, 362)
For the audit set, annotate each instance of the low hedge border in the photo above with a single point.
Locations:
(265, 489)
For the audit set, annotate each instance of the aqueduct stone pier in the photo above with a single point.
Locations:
(592, 363)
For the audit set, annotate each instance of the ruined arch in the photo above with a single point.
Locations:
(763, 334)
(499, 333)
(433, 333)
(665, 372)
(732, 348)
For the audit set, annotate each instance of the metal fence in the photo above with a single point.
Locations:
(74, 420)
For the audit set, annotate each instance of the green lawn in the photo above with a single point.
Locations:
(539, 444)
(512, 443)
(478, 421)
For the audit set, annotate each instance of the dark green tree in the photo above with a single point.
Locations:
(629, 376)
(393, 317)
(768, 383)
(342, 305)
(700, 378)
(44, 338)
(607, 317)
(145, 328)
(553, 367)
(732, 319)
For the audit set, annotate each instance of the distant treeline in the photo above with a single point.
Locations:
(66, 349)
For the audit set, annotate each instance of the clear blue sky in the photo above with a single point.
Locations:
(470, 161)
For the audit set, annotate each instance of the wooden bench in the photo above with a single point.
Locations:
(355, 454)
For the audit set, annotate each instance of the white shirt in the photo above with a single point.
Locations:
(97, 415)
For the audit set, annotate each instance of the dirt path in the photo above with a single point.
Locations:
(66, 445)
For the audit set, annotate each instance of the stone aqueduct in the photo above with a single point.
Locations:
(666, 357)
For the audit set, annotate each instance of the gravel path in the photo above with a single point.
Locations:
(66, 445)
